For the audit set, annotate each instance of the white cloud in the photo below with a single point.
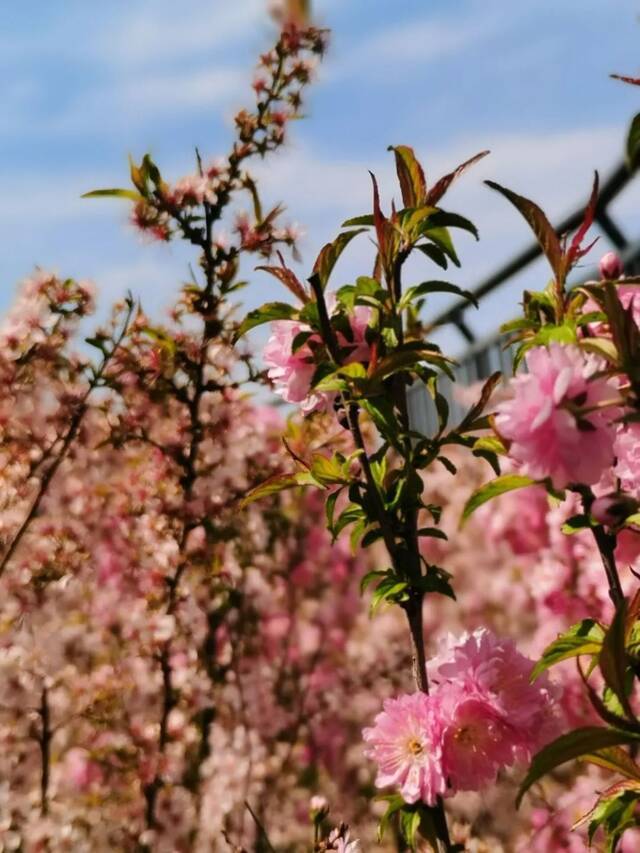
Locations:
(28, 202)
(160, 31)
(415, 42)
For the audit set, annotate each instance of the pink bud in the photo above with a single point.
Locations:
(611, 510)
(610, 266)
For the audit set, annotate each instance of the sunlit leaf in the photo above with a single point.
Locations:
(329, 254)
(410, 175)
(130, 195)
(499, 486)
(267, 313)
(568, 747)
(584, 638)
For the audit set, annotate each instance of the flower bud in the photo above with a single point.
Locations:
(610, 266)
(319, 808)
(611, 510)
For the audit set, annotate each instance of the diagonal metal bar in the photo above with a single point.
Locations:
(614, 184)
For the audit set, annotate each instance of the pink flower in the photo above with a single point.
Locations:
(477, 738)
(627, 451)
(490, 672)
(80, 770)
(359, 322)
(292, 372)
(548, 422)
(610, 266)
(340, 840)
(406, 744)
(192, 190)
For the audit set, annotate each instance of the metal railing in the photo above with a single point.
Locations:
(484, 357)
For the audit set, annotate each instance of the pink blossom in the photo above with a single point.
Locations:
(627, 452)
(292, 372)
(477, 739)
(548, 422)
(521, 520)
(192, 190)
(406, 744)
(346, 844)
(80, 770)
(488, 669)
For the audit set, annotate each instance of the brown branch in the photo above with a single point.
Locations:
(45, 750)
(72, 432)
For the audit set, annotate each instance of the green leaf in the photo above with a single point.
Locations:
(478, 408)
(370, 577)
(491, 443)
(434, 253)
(330, 507)
(266, 314)
(380, 410)
(435, 287)
(436, 580)
(539, 224)
(613, 658)
(614, 758)
(600, 346)
(277, 483)
(576, 523)
(366, 219)
(327, 471)
(413, 185)
(409, 825)
(453, 220)
(342, 378)
(614, 811)
(391, 588)
(548, 334)
(409, 357)
(130, 195)
(329, 254)
(433, 532)
(490, 490)
(395, 803)
(584, 638)
(568, 747)
(633, 143)
(351, 515)
(442, 239)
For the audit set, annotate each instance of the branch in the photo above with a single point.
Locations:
(68, 440)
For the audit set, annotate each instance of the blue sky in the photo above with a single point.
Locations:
(82, 85)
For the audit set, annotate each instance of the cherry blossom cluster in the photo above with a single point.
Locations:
(482, 716)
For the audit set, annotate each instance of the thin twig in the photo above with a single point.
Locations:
(68, 440)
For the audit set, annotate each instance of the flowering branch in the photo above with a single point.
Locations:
(75, 422)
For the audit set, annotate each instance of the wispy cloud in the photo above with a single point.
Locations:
(416, 42)
(157, 31)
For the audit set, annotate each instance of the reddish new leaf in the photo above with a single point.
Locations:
(539, 224)
(575, 252)
(635, 81)
(288, 278)
(413, 185)
(439, 189)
